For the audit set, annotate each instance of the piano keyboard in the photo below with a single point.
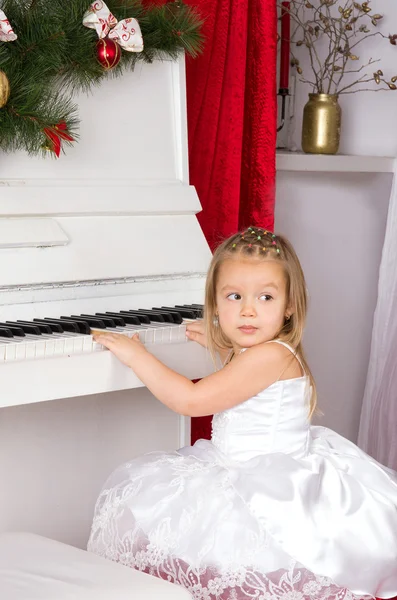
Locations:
(69, 335)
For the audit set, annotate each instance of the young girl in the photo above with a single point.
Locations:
(271, 508)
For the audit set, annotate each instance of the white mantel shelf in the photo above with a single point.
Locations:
(338, 163)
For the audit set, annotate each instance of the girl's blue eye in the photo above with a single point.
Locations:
(266, 297)
(234, 296)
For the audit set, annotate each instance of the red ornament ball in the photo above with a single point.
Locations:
(108, 53)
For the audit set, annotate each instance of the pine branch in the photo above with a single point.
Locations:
(55, 56)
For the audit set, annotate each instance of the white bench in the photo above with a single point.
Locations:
(36, 568)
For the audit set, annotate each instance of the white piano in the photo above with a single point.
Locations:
(106, 230)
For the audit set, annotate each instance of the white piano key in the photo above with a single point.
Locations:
(179, 334)
(39, 349)
(11, 352)
(78, 344)
(75, 343)
(170, 335)
(45, 345)
(131, 332)
(68, 345)
(10, 348)
(49, 347)
(29, 350)
(97, 347)
(59, 344)
(147, 336)
(167, 334)
(35, 349)
(157, 336)
(88, 343)
(20, 351)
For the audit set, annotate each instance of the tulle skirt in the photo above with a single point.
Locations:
(272, 528)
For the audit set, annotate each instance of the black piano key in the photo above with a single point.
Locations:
(54, 326)
(197, 311)
(117, 319)
(82, 326)
(15, 330)
(128, 319)
(143, 319)
(5, 333)
(91, 321)
(200, 308)
(167, 316)
(184, 312)
(200, 311)
(30, 328)
(43, 328)
(152, 316)
(132, 319)
(107, 321)
(65, 325)
(171, 312)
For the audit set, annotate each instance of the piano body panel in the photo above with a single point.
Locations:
(122, 198)
(98, 372)
(132, 127)
(138, 243)
(56, 456)
(82, 197)
(99, 296)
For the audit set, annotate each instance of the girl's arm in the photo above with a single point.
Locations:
(248, 374)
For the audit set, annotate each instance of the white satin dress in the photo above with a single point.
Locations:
(270, 509)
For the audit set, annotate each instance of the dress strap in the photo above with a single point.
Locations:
(229, 357)
(291, 349)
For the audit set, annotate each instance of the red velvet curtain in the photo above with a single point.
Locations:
(231, 105)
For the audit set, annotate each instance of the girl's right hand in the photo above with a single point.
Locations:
(195, 332)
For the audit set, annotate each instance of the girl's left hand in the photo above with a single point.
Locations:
(124, 348)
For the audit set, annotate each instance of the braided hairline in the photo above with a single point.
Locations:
(255, 237)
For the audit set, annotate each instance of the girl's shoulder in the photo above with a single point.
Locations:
(274, 347)
(280, 356)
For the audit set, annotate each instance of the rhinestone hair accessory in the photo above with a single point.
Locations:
(257, 237)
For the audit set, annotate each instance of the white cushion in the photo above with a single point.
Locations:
(36, 568)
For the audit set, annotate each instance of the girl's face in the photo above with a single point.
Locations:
(251, 301)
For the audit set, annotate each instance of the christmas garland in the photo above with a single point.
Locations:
(50, 49)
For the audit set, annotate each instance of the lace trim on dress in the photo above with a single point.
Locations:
(118, 535)
(235, 583)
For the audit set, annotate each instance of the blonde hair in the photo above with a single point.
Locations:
(260, 244)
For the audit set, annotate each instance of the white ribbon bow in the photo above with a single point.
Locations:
(6, 32)
(126, 33)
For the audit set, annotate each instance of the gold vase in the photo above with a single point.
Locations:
(321, 124)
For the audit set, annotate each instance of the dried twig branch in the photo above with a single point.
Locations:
(338, 28)
(366, 90)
